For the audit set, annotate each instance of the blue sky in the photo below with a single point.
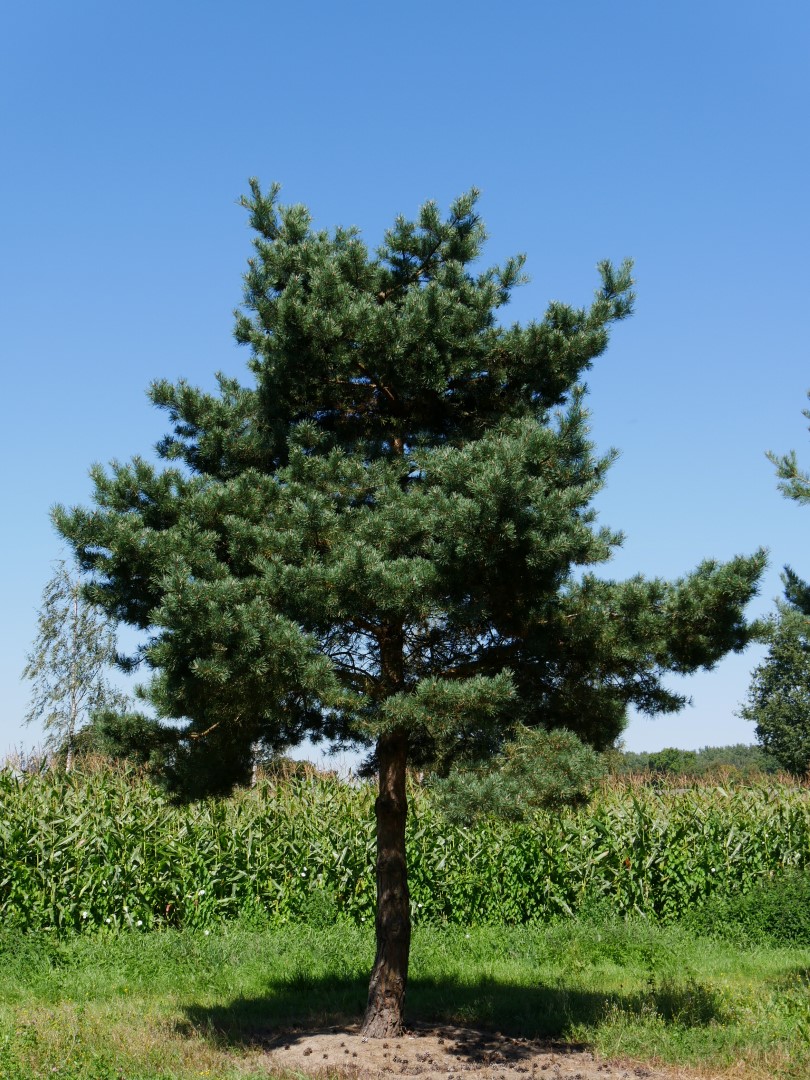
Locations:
(673, 133)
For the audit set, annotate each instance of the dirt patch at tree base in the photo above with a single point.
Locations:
(446, 1052)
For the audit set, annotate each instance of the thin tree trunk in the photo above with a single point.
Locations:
(386, 992)
(74, 692)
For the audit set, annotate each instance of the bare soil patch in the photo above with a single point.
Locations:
(446, 1052)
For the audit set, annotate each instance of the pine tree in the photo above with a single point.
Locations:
(794, 483)
(779, 694)
(384, 539)
(74, 649)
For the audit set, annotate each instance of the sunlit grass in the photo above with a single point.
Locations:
(181, 1004)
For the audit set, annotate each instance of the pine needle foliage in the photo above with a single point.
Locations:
(537, 769)
(390, 530)
(779, 694)
(794, 483)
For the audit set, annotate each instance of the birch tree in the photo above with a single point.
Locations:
(69, 662)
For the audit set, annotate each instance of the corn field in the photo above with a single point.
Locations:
(104, 849)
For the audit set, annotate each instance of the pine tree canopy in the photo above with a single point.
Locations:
(388, 531)
(779, 694)
(794, 483)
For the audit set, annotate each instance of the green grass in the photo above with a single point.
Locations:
(182, 1003)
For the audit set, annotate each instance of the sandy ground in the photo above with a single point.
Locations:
(451, 1053)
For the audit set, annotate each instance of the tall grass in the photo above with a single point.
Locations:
(101, 849)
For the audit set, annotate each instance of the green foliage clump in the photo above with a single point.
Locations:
(774, 910)
(536, 770)
(100, 850)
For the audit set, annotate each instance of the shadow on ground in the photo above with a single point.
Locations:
(520, 1011)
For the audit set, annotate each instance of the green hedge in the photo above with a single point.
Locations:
(104, 849)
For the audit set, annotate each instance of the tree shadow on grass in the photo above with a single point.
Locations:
(296, 1007)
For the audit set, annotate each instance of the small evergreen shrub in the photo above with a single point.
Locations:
(537, 770)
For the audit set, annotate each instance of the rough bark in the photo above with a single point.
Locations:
(386, 992)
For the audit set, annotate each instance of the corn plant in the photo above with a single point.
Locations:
(102, 849)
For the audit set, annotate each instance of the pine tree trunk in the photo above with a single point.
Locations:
(386, 992)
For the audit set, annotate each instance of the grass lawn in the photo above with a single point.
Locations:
(183, 1004)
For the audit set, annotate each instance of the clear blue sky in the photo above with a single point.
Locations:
(675, 133)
